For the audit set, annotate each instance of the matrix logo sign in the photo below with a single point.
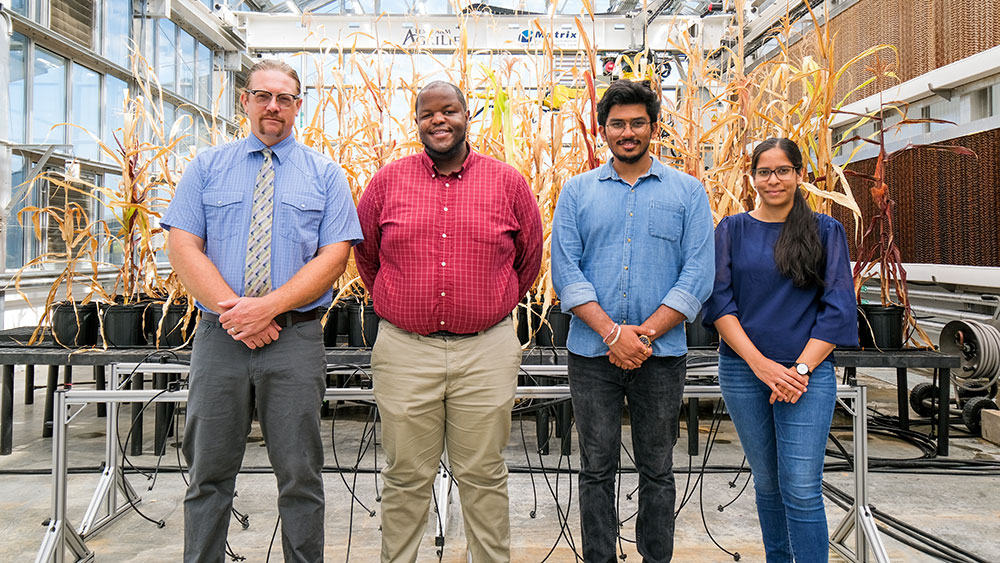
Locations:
(560, 38)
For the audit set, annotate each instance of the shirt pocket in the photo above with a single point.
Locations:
(222, 214)
(300, 216)
(666, 220)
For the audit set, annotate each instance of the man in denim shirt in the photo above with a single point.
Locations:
(632, 258)
(260, 229)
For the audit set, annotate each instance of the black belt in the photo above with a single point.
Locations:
(450, 334)
(290, 318)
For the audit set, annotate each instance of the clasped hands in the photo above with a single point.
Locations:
(786, 384)
(628, 351)
(249, 320)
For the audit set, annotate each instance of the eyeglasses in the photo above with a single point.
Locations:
(263, 97)
(782, 172)
(618, 125)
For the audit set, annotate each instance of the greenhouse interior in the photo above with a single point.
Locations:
(203, 199)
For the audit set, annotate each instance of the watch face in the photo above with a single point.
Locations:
(802, 369)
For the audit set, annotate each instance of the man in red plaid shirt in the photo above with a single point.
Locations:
(453, 240)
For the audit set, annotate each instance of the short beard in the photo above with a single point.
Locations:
(630, 159)
(449, 154)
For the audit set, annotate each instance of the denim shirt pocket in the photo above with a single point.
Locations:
(666, 220)
(299, 217)
(222, 214)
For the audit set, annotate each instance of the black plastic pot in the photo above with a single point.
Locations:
(74, 327)
(880, 327)
(336, 324)
(699, 335)
(123, 325)
(555, 331)
(173, 332)
(362, 325)
(523, 330)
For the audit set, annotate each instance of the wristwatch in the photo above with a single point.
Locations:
(802, 369)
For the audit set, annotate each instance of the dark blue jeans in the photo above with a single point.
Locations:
(599, 391)
(785, 445)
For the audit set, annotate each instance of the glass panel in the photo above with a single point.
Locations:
(166, 48)
(982, 103)
(16, 89)
(48, 103)
(185, 64)
(204, 76)
(114, 102)
(19, 7)
(86, 112)
(360, 6)
(117, 21)
(15, 232)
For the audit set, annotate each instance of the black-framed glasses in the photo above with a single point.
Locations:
(782, 172)
(263, 97)
(618, 125)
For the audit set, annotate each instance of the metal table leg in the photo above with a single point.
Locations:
(101, 383)
(136, 449)
(902, 390)
(52, 381)
(7, 411)
(29, 385)
(944, 412)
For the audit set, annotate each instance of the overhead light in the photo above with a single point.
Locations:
(293, 7)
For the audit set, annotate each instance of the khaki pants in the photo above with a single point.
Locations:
(457, 391)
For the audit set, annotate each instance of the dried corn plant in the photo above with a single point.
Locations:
(538, 114)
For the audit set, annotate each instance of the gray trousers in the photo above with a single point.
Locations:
(288, 379)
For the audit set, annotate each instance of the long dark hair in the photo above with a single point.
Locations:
(798, 252)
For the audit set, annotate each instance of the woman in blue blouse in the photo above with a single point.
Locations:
(783, 300)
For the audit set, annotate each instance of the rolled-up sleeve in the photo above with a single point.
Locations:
(694, 284)
(570, 284)
(837, 317)
(186, 211)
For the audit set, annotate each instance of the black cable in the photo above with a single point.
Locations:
(274, 534)
(531, 473)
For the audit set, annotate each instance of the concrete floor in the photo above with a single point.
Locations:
(964, 510)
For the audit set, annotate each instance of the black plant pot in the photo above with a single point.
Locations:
(362, 325)
(336, 324)
(699, 335)
(880, 327)
(74, 327)
(523, 330)
(555, 331)
(174, 331)
(123, 325)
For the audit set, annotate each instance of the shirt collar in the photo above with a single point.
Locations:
(470, 159)
(280, 150)
(607, 170)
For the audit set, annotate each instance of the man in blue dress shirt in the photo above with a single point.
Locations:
(632, 258)
(260, 229)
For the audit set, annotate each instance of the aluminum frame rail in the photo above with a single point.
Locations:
(113, 494)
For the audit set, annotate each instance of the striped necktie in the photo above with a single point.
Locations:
(258, 265)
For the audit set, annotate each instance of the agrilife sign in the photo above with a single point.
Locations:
(447, 37)
(534, 37)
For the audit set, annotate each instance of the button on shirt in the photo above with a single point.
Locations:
(632, 249)
(453, 252)
(313, 207)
